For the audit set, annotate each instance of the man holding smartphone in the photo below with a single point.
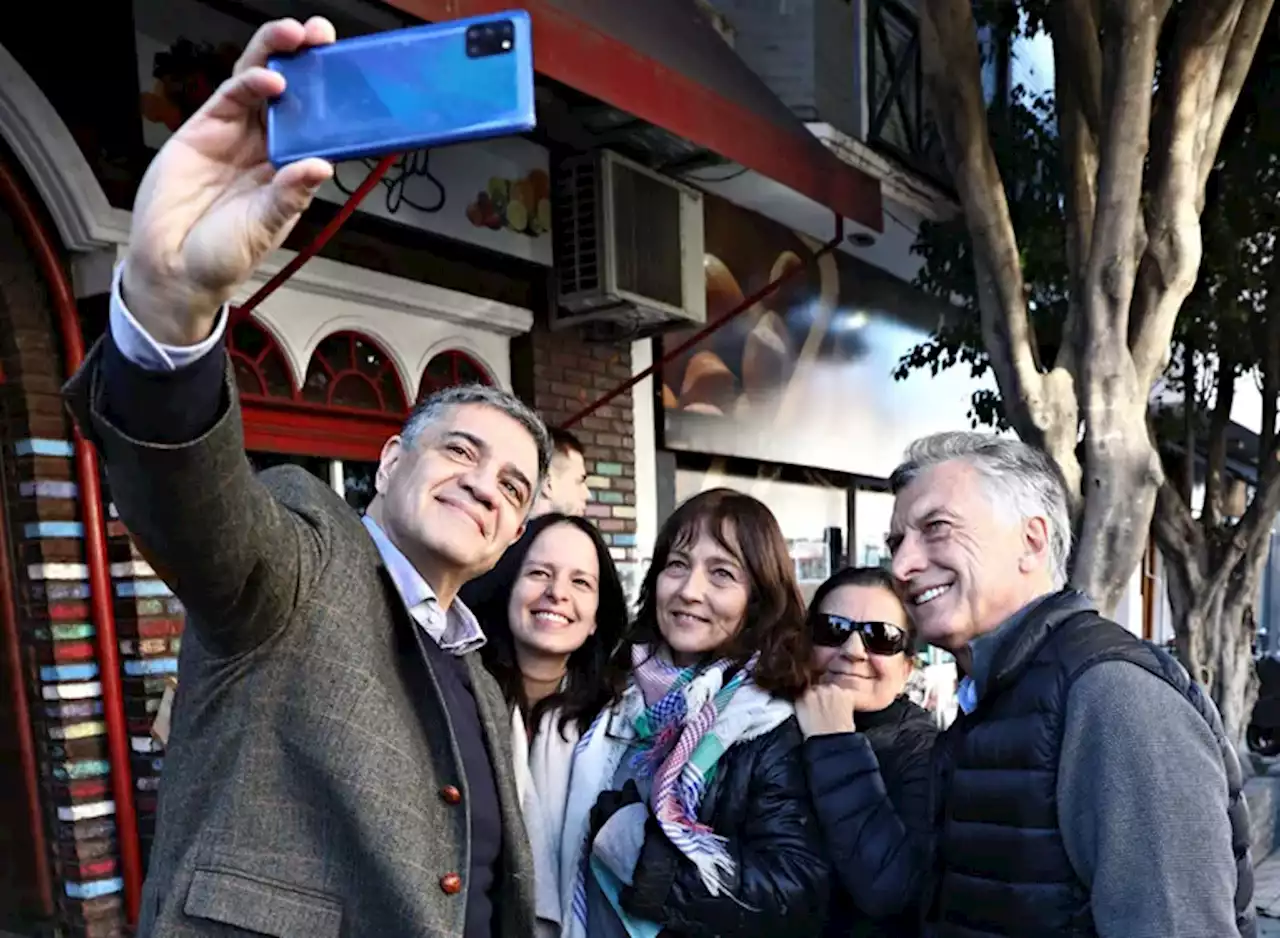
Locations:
(339, 762)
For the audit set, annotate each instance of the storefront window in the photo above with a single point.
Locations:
(806, 513)
(357, 483)
(806, 377)
(449, 369)
(349, 370)
(352, 479)
(261, 370)
(872, 512)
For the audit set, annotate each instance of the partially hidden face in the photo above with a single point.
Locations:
(961, 560)
(876, 680)
(566, 488)
(552, 610)
(701, 595)
(461, 492)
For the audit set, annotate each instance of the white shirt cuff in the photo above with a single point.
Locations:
(140, 348)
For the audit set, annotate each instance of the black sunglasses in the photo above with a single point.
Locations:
(879, 638)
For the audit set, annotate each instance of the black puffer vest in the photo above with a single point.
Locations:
(1002, 866)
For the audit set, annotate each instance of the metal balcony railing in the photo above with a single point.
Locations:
(900, 123)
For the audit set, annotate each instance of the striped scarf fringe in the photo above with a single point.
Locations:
(678, 728)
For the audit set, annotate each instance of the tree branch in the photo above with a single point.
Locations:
(1130, 52)
(1267, 438)
(1253, 528)
(952, 70)
(1215, 481)
(1249, 26)
(1182, 548)
(1173, 525)
(1074, 26)
(1196, 94)
(1078, 98)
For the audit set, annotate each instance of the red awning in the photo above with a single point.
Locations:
(661, 61)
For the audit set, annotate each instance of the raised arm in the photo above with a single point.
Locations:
(154, 395)
(173, 449)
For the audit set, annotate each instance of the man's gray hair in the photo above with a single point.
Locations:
(440, 404)
(1018, 476)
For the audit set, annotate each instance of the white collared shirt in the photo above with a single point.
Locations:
(455, 630)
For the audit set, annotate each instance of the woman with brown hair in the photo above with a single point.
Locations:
(688, 811)
(553, 610)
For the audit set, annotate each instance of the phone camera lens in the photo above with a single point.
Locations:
(486, 39)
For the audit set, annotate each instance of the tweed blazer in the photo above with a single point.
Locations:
(302, 791)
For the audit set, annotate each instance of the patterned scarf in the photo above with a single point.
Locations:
(677, 729)
(684, 721)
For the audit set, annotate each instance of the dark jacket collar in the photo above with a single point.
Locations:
(1017, 645)
(889, 715)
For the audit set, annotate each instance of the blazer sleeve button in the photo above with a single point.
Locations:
(451, 884)
(451, 794)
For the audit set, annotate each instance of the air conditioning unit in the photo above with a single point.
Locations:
(629, 246)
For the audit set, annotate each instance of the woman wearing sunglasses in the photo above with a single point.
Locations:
(857, 720)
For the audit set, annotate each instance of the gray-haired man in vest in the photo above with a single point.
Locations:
(1087, 787)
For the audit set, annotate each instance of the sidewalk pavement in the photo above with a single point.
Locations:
(1266, 892)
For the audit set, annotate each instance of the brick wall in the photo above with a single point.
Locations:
(50, 589)
(559, 374)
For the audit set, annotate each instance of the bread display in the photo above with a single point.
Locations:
(768, 359)
(723, 293)
(707, 380)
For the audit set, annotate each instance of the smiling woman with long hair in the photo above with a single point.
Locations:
(688, 811)
(552, 610)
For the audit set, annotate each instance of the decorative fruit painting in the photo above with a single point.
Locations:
(185, 76)
(520, 205)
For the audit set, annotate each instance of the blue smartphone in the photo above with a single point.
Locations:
(408, 89)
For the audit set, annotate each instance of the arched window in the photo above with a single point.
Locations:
(261, 368)
(350, 402)
(450, 368)
(348, 370)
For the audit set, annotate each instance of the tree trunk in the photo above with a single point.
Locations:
(1216, 646)
(1213, 591)
(1122, 476)
(1136, 167)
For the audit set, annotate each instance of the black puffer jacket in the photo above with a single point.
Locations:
(759, 801)
(878, 852)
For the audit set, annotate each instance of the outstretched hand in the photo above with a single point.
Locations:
(211, 207)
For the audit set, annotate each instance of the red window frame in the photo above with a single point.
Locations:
(300, 427)
(456, 359)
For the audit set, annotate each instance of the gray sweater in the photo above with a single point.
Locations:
(1142, 803)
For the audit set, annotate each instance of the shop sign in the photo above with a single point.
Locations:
(807, 376)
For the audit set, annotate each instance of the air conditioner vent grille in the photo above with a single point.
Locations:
(577, 229)
(646, 233)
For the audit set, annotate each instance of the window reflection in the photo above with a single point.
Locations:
(357, 476)
(358, 483)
